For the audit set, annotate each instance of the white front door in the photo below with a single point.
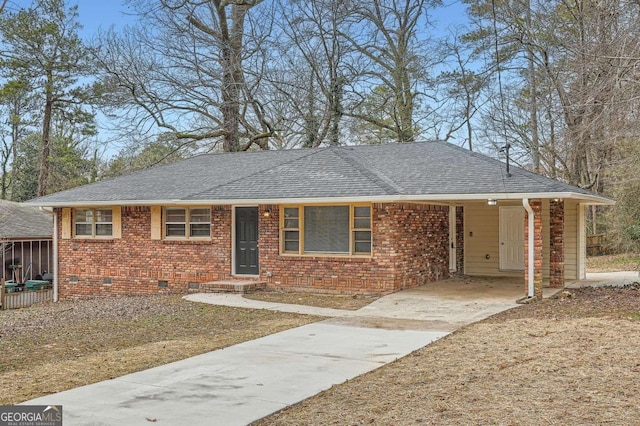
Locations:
(512, 238)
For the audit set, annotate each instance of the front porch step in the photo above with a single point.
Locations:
(228, 286)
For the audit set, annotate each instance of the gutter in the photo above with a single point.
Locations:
(444, 198)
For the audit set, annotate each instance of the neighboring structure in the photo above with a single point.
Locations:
(26, 241)
(349, 219)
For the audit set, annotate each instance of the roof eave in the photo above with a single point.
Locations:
(586, 199)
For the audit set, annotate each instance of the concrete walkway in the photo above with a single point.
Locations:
(245, 382)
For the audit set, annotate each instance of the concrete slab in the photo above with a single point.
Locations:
(456, 301)
(241, 383)
(601, 279)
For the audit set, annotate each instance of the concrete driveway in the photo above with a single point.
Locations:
(244, 382)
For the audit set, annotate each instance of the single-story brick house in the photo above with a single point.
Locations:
(370, 219)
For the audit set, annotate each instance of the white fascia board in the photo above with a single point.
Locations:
(443, 198)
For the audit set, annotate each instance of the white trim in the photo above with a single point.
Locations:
(452, 239)
(581, 255)
(584, 198)
(531, 252)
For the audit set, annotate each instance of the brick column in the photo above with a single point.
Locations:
(536, 206)
(556, 244)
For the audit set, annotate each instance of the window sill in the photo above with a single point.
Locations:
(186, 241)
(356, 257)
(95, 239)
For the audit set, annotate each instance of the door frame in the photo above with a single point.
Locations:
(501, 259)
(233, 239)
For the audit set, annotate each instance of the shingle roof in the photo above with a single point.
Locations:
(414, 170)
(17, 221)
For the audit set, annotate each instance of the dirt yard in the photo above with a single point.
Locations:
(53, 347)
(574, 360)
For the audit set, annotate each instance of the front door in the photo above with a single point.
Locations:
(246, 241)
(512, 238)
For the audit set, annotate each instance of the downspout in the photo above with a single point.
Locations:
(55, 252)
(530, 251)
(55, 257)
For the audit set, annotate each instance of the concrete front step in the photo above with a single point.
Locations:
(228, 286)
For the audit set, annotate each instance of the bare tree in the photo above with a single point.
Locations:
(310, 69)
(392, 56)
(192, 69)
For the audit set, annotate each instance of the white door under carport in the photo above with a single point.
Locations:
(511, 238)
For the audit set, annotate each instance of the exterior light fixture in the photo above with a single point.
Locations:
(492, 201)
(266, 213)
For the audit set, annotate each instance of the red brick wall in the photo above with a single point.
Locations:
(135, 264)
(536, 206)
(420, 239)
(410, 248)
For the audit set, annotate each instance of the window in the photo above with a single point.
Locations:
(187, 222)
(291, 230)
(93, 223)
(361, 229)
(340, 230)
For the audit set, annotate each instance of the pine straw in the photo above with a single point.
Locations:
(352, 303)
(522, 367)
(55, 347)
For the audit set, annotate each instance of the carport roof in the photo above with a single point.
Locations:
(23, 222)
(419, 171)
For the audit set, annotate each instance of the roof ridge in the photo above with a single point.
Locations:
(312, 152)
(369, 171)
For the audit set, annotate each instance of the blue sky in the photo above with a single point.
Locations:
(103, 14)
(95, 14)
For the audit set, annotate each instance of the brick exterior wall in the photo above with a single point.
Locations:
(556, 244)
(135, 264)
(536, 206)
(410, 248)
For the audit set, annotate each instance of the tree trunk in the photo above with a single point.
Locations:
(533, 105)
(45, 163)
(232, 77)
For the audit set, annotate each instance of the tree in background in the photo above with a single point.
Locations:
(43, 50)
(191, 69)
(570, 75)
(391, 39)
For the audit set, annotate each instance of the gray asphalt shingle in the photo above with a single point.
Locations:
(18, 221)
(420, 168)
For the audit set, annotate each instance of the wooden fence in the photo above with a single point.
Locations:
(595, 244)
(23, 299)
